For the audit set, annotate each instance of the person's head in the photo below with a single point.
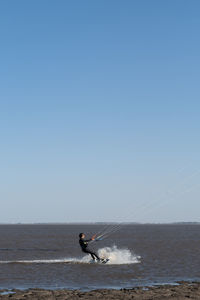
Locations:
(81, 235)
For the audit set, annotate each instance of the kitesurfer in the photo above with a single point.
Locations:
(84, 246)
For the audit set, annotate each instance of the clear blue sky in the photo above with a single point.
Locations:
(99, 110)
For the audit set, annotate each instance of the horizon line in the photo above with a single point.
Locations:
(101, 223)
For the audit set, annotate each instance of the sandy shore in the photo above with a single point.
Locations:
(184, 290)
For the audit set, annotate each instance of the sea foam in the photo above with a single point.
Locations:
(116, 257)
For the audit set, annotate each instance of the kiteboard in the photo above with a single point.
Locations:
(102, 261)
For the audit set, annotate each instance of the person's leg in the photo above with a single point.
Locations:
(95, 255)
(92, 253)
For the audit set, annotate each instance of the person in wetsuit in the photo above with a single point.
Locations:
(84, 246)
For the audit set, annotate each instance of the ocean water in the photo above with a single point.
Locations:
(49, 256)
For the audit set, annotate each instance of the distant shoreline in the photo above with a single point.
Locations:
(103, 223)
(179, 291)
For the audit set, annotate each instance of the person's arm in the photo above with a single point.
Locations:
(90, 240)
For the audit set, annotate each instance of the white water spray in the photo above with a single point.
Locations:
(116, 257)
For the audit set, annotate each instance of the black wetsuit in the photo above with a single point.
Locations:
(84, 246)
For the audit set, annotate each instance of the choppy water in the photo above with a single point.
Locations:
(48, 256)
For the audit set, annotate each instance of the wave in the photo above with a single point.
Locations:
(116, 257)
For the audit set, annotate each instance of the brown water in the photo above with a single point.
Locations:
(48, 256)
